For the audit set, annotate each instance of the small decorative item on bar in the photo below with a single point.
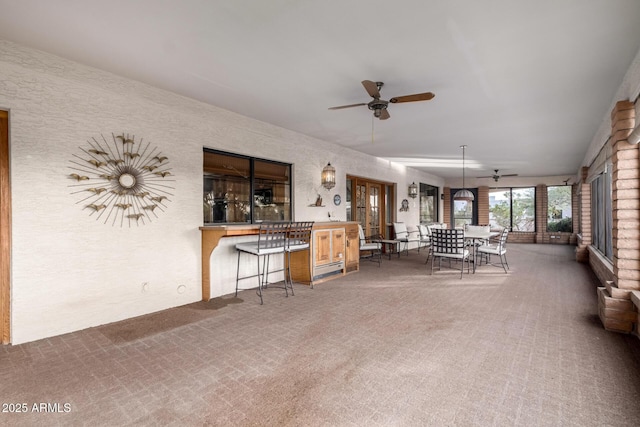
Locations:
(413, 190)
(329, 176)
(319, 201)
(463, 194)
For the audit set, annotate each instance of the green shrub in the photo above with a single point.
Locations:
(565, 225)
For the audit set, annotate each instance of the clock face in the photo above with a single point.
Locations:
(337, 199)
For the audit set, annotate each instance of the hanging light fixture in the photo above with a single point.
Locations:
(463, 194)
(329, 176)
(413, 190)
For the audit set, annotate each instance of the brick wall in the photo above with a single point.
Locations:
(483, 205)
(584, 189)
(446, 212)
(614, 308)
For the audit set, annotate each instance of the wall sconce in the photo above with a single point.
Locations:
(413, 190)
(329, 176)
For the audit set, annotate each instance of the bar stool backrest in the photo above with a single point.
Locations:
(299, 233)
(272, 235)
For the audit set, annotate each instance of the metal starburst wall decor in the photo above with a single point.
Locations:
(121, 181)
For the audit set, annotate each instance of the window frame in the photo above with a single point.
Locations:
(602, 212)
(254, 192)
(424, 189)
(511, 191)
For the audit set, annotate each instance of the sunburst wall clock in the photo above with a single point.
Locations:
(121, 181)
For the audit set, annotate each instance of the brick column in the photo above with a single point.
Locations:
(582, 251)
(573, 240)
(614, 308)
(483, 205)
(446, 212)
(626, 198)
(541, 214)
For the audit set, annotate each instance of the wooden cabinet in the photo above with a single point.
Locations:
(334, 252)
(352, 256)
(328, 252)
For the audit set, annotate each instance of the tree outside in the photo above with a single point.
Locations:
(513, 209)
(559, 217)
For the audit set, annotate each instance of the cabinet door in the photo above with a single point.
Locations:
(338, 245)
(353, 248)
(322, 246)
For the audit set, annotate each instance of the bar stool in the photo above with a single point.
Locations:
(272, 238)
(298, 239)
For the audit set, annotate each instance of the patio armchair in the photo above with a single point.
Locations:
(425, 238)
(403, 236)
(372, 249)
(499, 249)
(449, 244)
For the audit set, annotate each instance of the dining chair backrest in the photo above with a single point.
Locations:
(486, 228)
(424, 232)
(502, 243)
(361, 232)
(448, 241)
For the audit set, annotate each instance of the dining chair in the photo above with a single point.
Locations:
(403, 236)
(425, 238)
(372, 250)
(478, 242)
(271, 241)
(449, 244)
(298, 239)
(499, 249)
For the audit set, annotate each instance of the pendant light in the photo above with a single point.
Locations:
(463, 194)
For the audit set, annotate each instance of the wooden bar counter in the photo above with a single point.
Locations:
(335, 251)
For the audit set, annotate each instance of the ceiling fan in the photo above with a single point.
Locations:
(379, 106)
(496, 176)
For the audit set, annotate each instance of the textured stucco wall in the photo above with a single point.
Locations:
(70, 271)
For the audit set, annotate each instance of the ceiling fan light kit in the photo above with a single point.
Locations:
(379, 106)
(497, 176)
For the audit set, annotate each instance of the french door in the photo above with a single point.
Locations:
(368, 205)
(5, 229)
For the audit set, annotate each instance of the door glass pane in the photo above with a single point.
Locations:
(374, 210)
(361, 206)
(462, 213)
(348, 201)
(559, 217)
(428, 204)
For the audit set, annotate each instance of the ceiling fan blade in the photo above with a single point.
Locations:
(384, 115)
(510, 174)
(411, 98)
(346, 106)
(490, 176)
(371, 88)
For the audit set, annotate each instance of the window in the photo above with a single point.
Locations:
(239, 189)
(513, 208)
(559, 217)
(428, 204)
(602, 213)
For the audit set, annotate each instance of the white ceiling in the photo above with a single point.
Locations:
(524, 84)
